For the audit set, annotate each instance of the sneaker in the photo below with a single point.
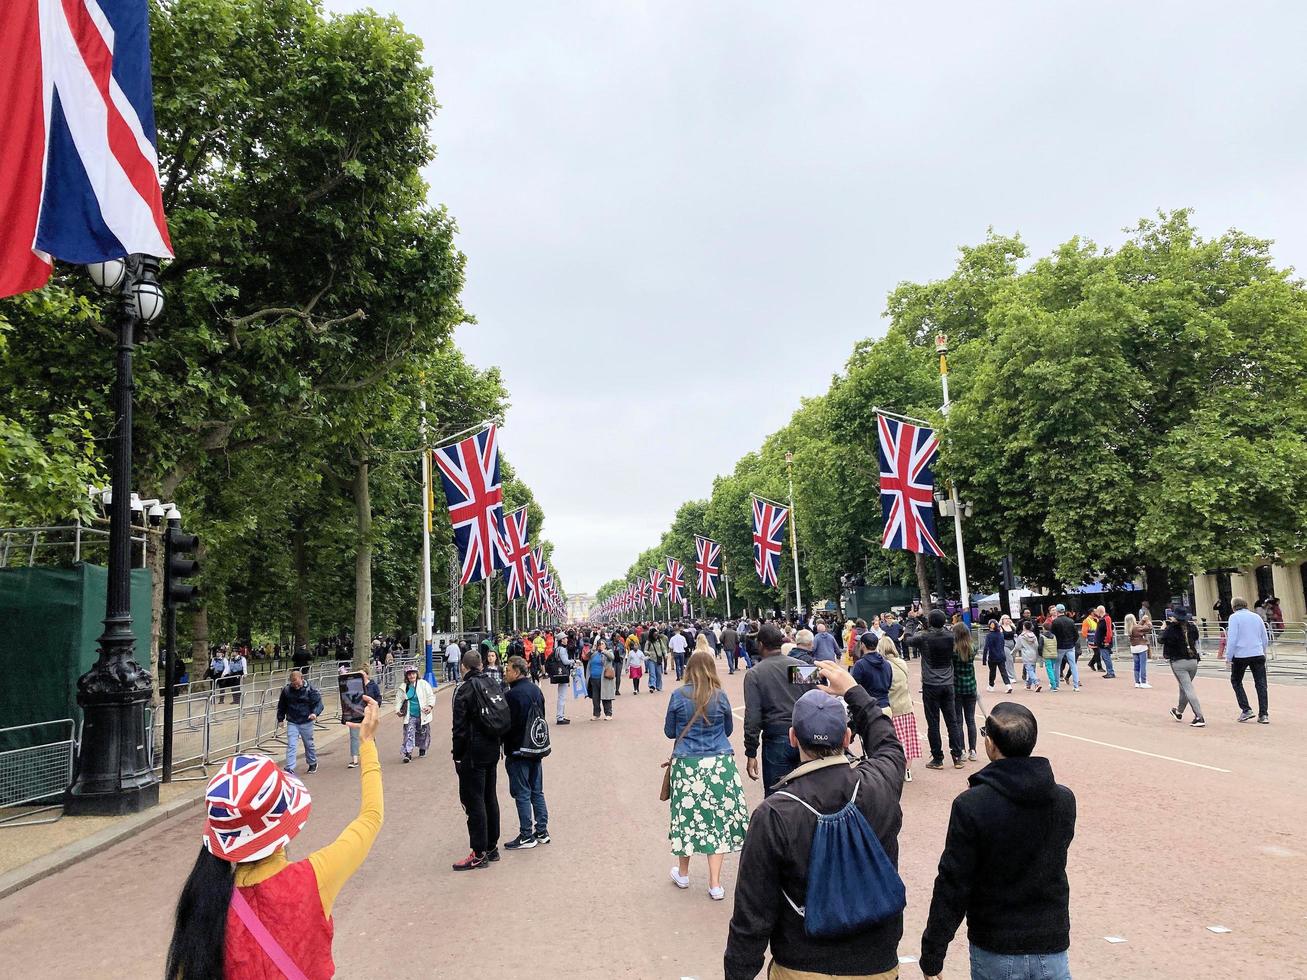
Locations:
(1246, 716)
(522, 842)
(353, 764)
(1040, 687)
(678, 880)
(313, 767)
(932, 764)
(422, 753)
(1009, 689)
(290, 772)
(1175, 713)
(1146, 686)
(1136, 683)
(1109, 677)
(1263, 719)
(717, 894)
(471, 863)
(563, 721)
(971, 756)
(990, 688)
(957, 763)
(1198, 723)
(407, 757)
(542, 837)
(493, 854)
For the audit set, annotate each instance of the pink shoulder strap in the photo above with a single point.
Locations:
(267, 942)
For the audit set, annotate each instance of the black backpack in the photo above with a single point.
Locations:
(490, 707)
(535, 734)
(555, 669)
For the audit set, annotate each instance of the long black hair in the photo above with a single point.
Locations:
(199, 935)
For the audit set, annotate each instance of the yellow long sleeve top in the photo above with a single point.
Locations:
(334, 864)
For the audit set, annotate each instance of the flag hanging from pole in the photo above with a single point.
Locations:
(469, 470)
(675, 580)
(907, 485)
(768, 533)
(656, 583)
(517, 554)
(707, 564)
(79, 175)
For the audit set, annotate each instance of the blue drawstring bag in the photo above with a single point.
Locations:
(851, 882)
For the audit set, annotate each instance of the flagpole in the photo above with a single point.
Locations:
(794, 538)
(727, 580)
(427, 616)
(941, 348)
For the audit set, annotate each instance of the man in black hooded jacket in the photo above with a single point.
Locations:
(935, 647)
(1018, 912)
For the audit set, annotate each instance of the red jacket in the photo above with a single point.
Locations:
(290, 907)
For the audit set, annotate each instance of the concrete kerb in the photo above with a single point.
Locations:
(79, 850)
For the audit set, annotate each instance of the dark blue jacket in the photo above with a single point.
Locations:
(994, 652)
(875, 676)
(295, 706)
(521, 695)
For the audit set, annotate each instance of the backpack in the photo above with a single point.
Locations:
(555, 668)
(535, 734)
(490, 707)
(851, 883)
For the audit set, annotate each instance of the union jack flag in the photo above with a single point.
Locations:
(254, 809)
(535, 578)
(907, 485)
(517, 554)
(768, 533)
(656, 583)
(707, 564)
(469, 470)
(79, 175)
(643, 587)
(675, 580)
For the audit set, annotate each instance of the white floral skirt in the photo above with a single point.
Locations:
(708, 811)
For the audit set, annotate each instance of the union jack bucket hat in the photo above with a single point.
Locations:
(253, 809)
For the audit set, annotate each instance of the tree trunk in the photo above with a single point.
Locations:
(362, 567)
(923, 581)
(299, 602)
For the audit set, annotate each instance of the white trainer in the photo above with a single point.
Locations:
(678, 880)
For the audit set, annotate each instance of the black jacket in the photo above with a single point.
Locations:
(936, 646)
(296, 704)
(1012, 906)
(775, 857)
(471, 742)
(521, 695)
(1065, 631)
(1179, 640)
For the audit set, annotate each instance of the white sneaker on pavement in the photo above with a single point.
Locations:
(678, 880)
(717, 894)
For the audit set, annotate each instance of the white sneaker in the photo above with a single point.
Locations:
(1146, 686)
(1136, 683)
(716, 894)
(678, 880)
(990, 688)
(1009, 689)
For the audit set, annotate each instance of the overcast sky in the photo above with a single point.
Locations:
(680, 216)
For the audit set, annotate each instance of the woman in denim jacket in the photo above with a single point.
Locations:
(708, 815)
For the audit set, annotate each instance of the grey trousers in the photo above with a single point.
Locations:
(1185, 671)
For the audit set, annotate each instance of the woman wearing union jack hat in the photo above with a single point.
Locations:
(246, 910)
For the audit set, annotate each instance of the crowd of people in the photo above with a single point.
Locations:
(829, 728)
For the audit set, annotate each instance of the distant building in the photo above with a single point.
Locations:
(578, 608)
(1285, 581)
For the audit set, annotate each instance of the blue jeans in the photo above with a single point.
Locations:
(294, 734)
(1019, 966)
(680, 665)
(1141, 667)
(527, 787)
(1067, 658)
(779, 758)
(1105, 653)
(655, 675)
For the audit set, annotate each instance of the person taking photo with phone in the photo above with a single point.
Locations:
(246, 910)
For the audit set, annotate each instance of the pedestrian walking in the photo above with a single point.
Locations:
(655, 657)
(372, 690)
(708, 815)
(452, 654)
(1246, 643)
(871, 671)
(824, 645)
(492, 670)
(299, 706)
(1179, 641)
(818, 880)
(526, 743)
(731, 647)
(1027, 648)
(1139, 639)
(635, 667)
(1064, 630)
(1104, 637)
(768, 710)
(964, 685)
(678, 645)
(901, 710)
(602, 681)
(1017, 912)
(558, 669)
(415, 703)
(1052, 657)
(245, 909)
(480, 719)
(1089, 635)
(938, 698)
(995, 655)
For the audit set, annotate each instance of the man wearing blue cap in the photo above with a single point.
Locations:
(776, 854)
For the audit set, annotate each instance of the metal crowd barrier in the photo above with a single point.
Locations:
(33, 774)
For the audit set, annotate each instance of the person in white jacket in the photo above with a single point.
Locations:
(415, 701)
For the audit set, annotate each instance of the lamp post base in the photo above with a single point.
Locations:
(113, 768)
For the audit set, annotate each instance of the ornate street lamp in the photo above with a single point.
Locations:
(113, 765)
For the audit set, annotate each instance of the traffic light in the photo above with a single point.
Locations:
(178, 566)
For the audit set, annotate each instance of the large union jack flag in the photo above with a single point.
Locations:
(538, 579)
(707, 564)
(517, 554)
(768, 533)
(469, 470)
(656, 583)
(642, 586)
(79, 176)
(675, 580)
(907, 485)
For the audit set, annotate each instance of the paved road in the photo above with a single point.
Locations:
(1190, 829)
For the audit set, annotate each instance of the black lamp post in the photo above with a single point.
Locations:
(113, 765)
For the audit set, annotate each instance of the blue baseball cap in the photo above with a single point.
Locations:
(820, 720)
